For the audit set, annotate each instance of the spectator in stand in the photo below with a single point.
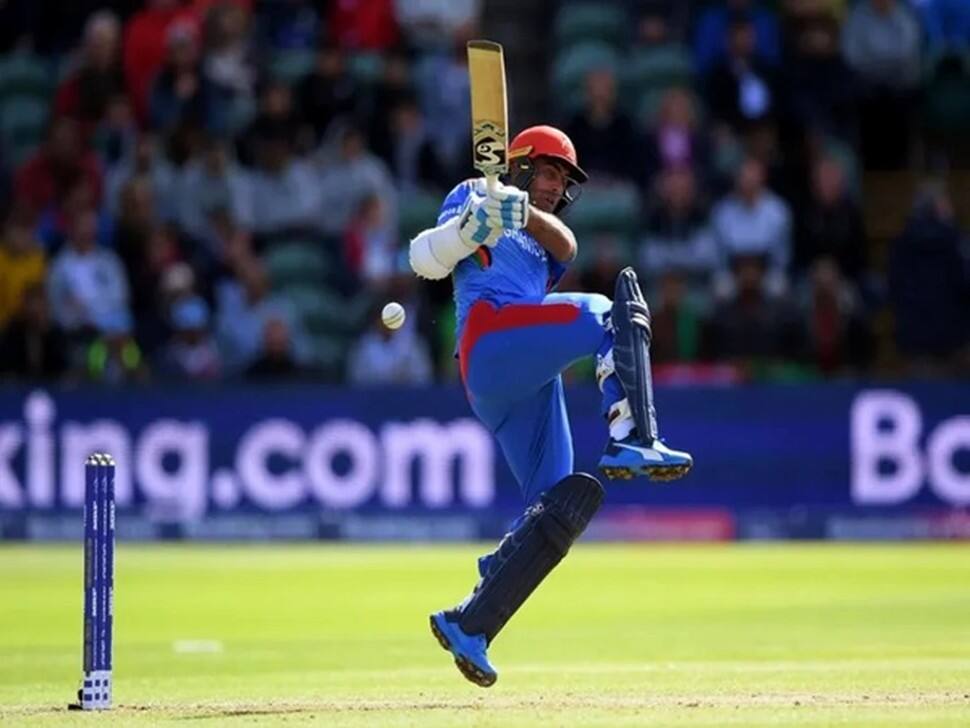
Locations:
(395, 85)
(86, 283)
(711, 45)
(33, 348)
(370, 243)
(146, 46)
(146, 162)
(192, 354)
(602, 132)
(22, 265)
(673, 15)
(881, 44)
(228, 61)
(676, 139)
(946, 23)
(116, 134)
(364, 25)
(277, 119)
(741, 88)
(136, 223)
(203, 7)
(52, 28)
(382, 356)
(54, 223)
(245, 307)
(229, 240)
(211, 182)
(678, 234)
(753, 221)
(275, 359)
(839, 337)
(754, 325)
(929, 284)
(63, 162)
(328, 91)
(431, 23)
(831, 225)
(182, 95)
(409, 151)
(287, 25)
(350, 173)
(604, 262)
(284, 190)
(442, 82)
(115, 357)
(678, 322)
(148, 250)
(819, 91)
(98, 77)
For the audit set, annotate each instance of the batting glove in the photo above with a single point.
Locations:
(476, 226)
(507, 205)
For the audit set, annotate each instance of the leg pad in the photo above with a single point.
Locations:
(530, 552)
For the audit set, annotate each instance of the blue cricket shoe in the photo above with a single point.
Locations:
(470, 651)
(627, 458)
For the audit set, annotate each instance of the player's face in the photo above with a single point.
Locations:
(548, 184)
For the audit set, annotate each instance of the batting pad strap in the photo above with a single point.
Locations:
(631, 351)
(604, 368)
(530, 552)
(435, 252)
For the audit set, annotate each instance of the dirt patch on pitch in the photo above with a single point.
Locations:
(570, 702)
(493, 702)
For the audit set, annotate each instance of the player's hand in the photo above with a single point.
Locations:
(507, 205)
(476, 226)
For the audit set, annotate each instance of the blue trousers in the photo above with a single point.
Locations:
(512, 358)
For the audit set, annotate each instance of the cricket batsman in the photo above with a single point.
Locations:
(506, 247)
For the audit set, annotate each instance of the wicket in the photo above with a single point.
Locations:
(99, 567)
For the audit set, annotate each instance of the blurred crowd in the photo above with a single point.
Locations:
(203, 190)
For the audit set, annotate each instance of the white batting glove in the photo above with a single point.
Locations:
(507, 205)
(476, 226)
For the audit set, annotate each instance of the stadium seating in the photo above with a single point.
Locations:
(572, 65)
(649, 69)
(610, 210)
(580, 22)
(292, 64)
(947, 101)
(366, 68)
(296, 262)
(418, 210)
(26, 86)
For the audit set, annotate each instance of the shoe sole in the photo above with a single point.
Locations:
(466, 667)
(656, 473)
(667, 473)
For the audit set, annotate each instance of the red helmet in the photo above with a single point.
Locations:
(547, 141)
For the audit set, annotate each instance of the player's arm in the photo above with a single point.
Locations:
(552, 234)
(465, 225)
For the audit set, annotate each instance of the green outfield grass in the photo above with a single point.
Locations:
(739, 635)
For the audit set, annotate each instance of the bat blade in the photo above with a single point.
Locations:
(486, 70)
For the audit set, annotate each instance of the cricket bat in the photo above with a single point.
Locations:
(490, 116)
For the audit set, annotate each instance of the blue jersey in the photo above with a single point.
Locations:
(519, 270)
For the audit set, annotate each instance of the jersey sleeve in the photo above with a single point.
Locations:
(556, 271)
(454, 201)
